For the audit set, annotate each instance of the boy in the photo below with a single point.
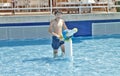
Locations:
(55, 29)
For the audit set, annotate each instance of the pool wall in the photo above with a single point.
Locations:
(35, 27)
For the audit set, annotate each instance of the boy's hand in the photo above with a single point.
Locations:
(67, 38)
(61, 37)
(57, 36)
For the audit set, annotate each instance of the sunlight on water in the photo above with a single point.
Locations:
(98, 56)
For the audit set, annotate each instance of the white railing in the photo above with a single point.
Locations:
(48, 6)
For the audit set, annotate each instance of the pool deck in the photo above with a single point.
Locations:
(36, 26)
(47, 17)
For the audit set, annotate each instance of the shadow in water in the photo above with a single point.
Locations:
(46, 60)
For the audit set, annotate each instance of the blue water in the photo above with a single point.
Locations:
(92, 56)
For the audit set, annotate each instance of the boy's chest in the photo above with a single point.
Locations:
(58, 24)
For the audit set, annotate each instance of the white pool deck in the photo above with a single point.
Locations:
(34, 32)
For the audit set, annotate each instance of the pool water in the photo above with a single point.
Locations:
(92, 56)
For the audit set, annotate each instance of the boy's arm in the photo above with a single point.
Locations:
(64, 26)
(50, 30)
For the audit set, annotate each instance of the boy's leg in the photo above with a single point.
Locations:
(55, 53)
(63, 49)
(55, 46)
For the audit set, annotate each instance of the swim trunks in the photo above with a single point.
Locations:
(56, 42)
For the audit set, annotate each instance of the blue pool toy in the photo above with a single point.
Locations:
(67, 34)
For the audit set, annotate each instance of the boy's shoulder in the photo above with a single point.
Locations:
(62, 19)
(54, 20)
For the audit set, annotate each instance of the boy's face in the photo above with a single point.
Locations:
(58, 15)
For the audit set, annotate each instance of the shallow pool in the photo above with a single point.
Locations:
(92, 56)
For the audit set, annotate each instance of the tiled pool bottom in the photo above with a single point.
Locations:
(93, 56)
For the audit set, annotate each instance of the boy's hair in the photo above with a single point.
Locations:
(57, 11)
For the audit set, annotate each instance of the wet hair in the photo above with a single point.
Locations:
(57, 11)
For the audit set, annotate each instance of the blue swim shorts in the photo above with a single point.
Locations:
(56, 42)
